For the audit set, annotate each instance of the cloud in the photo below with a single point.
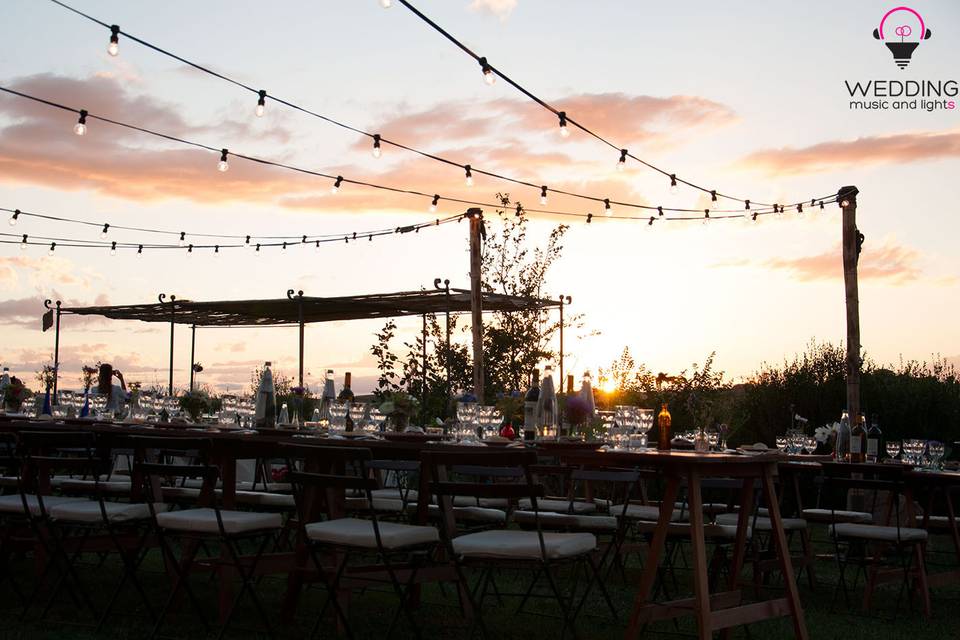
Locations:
(26, 312)
(871, 150)
(888, 262)
(499, 8)
(45, 272)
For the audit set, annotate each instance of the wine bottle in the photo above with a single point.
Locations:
(547, 405)
(346, 394)
(874, 440)
(841, 448)
(327, 397)
(664, 420)
(530, 407)
(858, 440)
(265, 414)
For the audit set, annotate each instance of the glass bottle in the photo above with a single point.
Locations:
(265, 414)
(530, 401)
(328, 396)
(664, 420)
(842, 445)
(547, 405)
(874, 440)
(858, 440)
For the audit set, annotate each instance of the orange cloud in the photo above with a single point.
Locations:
(889, 262)
(44, 272)
(838, 154)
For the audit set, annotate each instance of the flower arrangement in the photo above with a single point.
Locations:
(15, 393)
(90, 376)
(195, 403)
(47, 376)
(398, 406)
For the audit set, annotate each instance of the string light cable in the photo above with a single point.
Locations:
(224, 153)
(378, 140)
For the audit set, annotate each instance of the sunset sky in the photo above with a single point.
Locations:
(747, 98)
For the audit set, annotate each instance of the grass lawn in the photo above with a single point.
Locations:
(370, 613)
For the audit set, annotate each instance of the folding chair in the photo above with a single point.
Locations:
(510, 478)
(331, 473)
(868, 545)
(206, 522)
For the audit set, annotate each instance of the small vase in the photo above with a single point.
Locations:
(400, 422)
(47, 409)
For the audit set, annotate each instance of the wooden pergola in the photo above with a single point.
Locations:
(297, 309)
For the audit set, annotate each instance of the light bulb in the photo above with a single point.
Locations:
(261, 103)
(318, 246)
(433, 204)
(113, 249)
(80, 129)
(216, 251)
(386, 4)
(607, 211)
(468, 175)
(543, 195)
(190, 251)
(183, 238)
(246, 244)
(259, 111)
(336, 185)
(376, 145)
(53, 246)
(488, 75)
(256, 253)
(622, 163)
(103, 233)
(564, 132)
(140, 251)
(23, 243)
(223, 166)
(469, 181)
(13, 218)
(114, 47)
(674, 189)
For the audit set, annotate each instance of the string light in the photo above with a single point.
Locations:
(261, 103)
(336, 185)
(800, 209)
(216, 251)
(543, 195)
(318, 245)
(376, 145)
(284, 246)
(113, 248)
(713, 195)
(433, 203)
(386, 4)
(821, 205)
(14, 217)
(706, 216)
(468, 175)
(114, 47)
(106, 228)
(674, 189)
(589, 218)
(660, 212)
(488, 76)
(246, 243)
(257, 252)
(140, 251)
(622, 163)
(650, 224)
(81, 127)
(23, 243)
(53, 247)
(746, 205)
(563, 124)
(223, 165)
(607, 211)
(190, 251)
(183, 238)
(754, 216)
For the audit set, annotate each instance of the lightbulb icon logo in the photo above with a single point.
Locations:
(904, 38)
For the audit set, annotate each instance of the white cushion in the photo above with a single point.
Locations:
(826, 515)
(89, 511)
(466, 514)
(384, 505)
(13, 503)
(489, 503)
(396, 494)
(522, 545)
(716, 532)
(761, 523)
(647, 512)
(938, 522)
(549, 520)
(122, 485)
(354, 532)
(877, 532)
(180, 493)
(9, 481)
(558, 505)
(205, 521)
(266, 499)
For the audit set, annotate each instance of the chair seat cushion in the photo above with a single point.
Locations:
(180, 493)
(89, 511)
(266, 499)
(115, 486)
(354, 532)
(647, 512)
(480, 515)
(396, 494)
(762, 523)
(938, 522)
(717, 533)
(826, 515)
(382, 505)
(559, 505)
(877, 532)
(550, 520)
(204, 520)
(522, 545)
(488, 503)
(14, 504)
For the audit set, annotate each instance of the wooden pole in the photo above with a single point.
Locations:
(173, 299)
(847, 197)
(56, 353)
(193, 353)
(476, 303)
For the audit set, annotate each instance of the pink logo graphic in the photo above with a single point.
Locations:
(903, 48)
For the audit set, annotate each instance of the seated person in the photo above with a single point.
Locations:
(116, 394)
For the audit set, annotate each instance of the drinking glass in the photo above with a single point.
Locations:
(358, 412)
(338, 414)
(782, 443)
(713, 439)
(377, 420)
(64, 404)
(29, 406)
(937, 450)
(466, 417)
(644, 422)
(809, 444)
(893, 449)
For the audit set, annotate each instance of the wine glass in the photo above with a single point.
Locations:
(338, 414)
(809, 444)
(893, 449)
(644, 424)
(358, 412)
(782, 443)
(937, 451)
(377, 420)
(466, 416)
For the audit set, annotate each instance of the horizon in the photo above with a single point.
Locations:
(672, 85)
